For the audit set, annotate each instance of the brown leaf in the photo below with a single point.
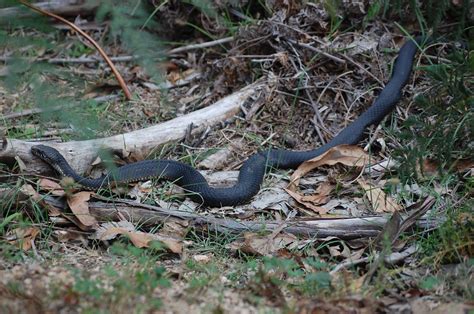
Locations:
(307, 202)
(175, 228)
(348, 155)
(464, 164)
(265, 245)
(70, 235)
(51, 186)
(379, 200)
(80, 207)
(110, 230)
(23, 237)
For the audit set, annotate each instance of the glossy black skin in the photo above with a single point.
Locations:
(253, 170)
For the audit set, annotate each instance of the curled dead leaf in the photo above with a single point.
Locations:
(79, 205)
(307, 201)
(51, 186)
(265, 245)
(378, 199)
(111, 230)
(31, 192)
(348, 155)
(23, 237)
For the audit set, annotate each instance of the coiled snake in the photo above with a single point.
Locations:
(253, 170)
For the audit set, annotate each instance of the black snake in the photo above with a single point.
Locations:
(253, 170)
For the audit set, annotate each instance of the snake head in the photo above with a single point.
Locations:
(49, 155)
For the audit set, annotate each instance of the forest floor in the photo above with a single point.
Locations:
(393, 233)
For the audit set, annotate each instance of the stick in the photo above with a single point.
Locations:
(202, 45)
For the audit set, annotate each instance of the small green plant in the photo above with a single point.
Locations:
(442, 130)
(429, 283)
(332, 7)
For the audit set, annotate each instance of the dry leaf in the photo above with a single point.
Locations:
(340, 249)
(201, 258)
(348, 155)
(110, 230)
(70, 235)
(307, 202)
(175, 228)
(265, 245)
(80, 207)
(380, 201)
(51, 186)
(464, 164)
(23, 237)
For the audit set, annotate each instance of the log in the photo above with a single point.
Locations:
(81, 154)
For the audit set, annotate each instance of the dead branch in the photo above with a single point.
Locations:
(148, 215)
(80, 154)
(201, 45)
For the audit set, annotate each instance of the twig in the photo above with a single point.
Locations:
(202, 45)
(327, 55)
(121, 81)
(363, 69)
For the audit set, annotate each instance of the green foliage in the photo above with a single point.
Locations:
(129, 25)
(429, 283)
(136, 278)
(452, 242)
(7, 220)
(50, 86)
(373, 11)
(279, 270)
(429, 13)
(443, 129)
(331, 7)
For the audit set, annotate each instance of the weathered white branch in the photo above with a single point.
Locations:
(80, 154)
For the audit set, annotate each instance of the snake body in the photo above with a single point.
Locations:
(253, 169)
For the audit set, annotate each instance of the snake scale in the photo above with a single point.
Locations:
(253, 169)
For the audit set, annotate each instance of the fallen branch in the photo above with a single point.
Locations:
(81, 154)
(148, 215)
(71, 60)
(103, 210)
